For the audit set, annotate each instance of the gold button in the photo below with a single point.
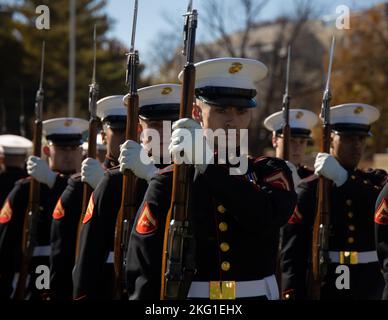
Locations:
(353, 177)
(221, 209)
(349, 202)
(350, 214)
(287, 296)
(223, 226)
(224, 246)
(366, 181)
(225, 266)
(352, 227)
(350, 240)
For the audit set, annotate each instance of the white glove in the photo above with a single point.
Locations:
(328, 166)
(40, 171)
(187, 135)
(91, 172)
(295, 175)
(135, 158)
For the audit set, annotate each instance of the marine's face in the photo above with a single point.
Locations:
(213, 117)
(65, 159)
(348, 149)
(113, 139)
(147, 126)
(297, 148)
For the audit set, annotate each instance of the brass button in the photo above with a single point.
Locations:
(224, 246)
(350, 214)
(352, 227)
(349, 202)
(366, 181)
(225, 266)
(353, 177)
(287, 296)
(350, 240)
(221, 209)
(223, 226)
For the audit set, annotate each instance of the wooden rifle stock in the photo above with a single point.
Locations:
(321, 229)
(178, 265)
(29, 235)
(29, 223)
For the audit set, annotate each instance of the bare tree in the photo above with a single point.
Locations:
(221, 20)
(214, 20)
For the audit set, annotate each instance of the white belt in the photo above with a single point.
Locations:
(244, 289)
(41, 251)
(110, 257)
(353, 257)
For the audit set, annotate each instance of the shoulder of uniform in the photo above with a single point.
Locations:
(25, 180)
(376, 176)
(271, 164)
(166, 170)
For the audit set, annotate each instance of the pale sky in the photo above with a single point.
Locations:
(152, 16)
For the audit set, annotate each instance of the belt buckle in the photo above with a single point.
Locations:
(348, 257)
(222, 290)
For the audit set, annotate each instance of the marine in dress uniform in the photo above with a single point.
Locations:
(67, 212)
(230, 213)
(381, 232)
(301, 123)
(156, 104)
(353, 196)
(64, 154)
(14, 150)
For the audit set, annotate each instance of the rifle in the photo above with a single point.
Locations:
(128, 206)
(30, 217)
(286, 130)
(178, 265)
(321, 229)
(92, 140)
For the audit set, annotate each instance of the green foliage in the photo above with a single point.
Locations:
(20, 49)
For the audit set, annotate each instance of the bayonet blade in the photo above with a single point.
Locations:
(288, 69)
(94, 54)
(134, 26)
(42, 66)
(330, 64)
(190, 6)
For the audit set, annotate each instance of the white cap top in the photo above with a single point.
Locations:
(111, 106)
(299, 118)
(158, 101)
(228, 72)
(354, 113)
(14, 144)
(65, 126)
(159, 94)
